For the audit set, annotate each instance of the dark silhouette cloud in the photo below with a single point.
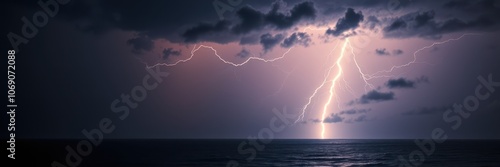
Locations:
(333, 118)
(167, 52)
(243, 53)
(376, 96)
(166, 20)
(354, 111)
(397, 24)
(268, 41)
(372, 22)
(141, 44)
(251, 39)
(456, 4)
(405, 83)
(400, 83)
(424, 24)
(382, 52)
(300, 38)
(252, 19)
(156, 19)
(423, 18)
(350, 21)
(284, 21)
(171, 21)
(195, 33)
(385, 52)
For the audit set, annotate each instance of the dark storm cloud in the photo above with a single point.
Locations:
(329, 7)
(382, 52)
(243, 53)
(252, 19)
(197, 21)
(456, 4)
(405, 83)
(251, 39)
(400, 83)
(333, 118)
(350, 21)
(195, 33)
(167, 52)
(385, 52)
(372, 22)
(481, 16)
(141, 44)
(423, 18)
(192, 20)
(472, 6)
(300, 11)
(183, 21)
(397, 24)
(425, 111)
(354, 111)
(268, 41)
(157, 19)
(300, 38)
(376, 96)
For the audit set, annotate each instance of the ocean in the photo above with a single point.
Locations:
(279, 152)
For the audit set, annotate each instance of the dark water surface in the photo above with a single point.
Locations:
(287, 153)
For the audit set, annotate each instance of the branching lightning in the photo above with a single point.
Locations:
(365, 78)
(195, 49)
(377, 74)
(332, 87)
(327, 78)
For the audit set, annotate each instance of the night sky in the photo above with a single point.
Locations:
(389, 69)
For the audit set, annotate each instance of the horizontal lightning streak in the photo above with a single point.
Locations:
(365, 77)
(376, 74)
(195, 49)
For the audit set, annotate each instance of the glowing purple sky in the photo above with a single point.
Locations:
(105, 46)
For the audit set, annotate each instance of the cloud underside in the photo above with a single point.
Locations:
(250, 20)
(246, 23)
(426, 25)
(350, 21)
(375, 96)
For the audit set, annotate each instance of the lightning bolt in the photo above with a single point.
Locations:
(331, 91)
(332, 87)
(364, 76)
(195, 49)
(325, 80)
(377, 74)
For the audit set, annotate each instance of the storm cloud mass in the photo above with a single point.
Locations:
(181, 26)
(398, 65)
